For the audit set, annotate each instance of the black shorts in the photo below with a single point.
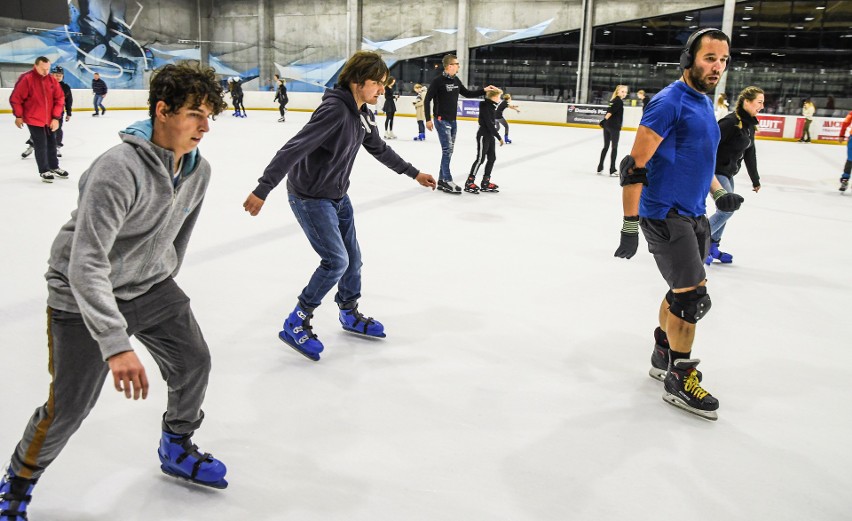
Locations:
(679, 245)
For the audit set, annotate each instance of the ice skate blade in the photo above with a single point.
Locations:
(219, 484)
(362, 334)
(675, 401)
(495, 191)
(284, 338)
(657, 374)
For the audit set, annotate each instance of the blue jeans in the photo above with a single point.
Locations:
(330, 228)
(718, 219)
(447, 137)
(99, 103)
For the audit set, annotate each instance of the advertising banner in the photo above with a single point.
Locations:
(588, 114)
(771, 126)
(468, 108)
(826, 129)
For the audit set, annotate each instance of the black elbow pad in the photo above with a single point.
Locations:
(629, 174)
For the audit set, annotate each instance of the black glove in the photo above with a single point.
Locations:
(629, 238)
(727, 202)
(602, 122)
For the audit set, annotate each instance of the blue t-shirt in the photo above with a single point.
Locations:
(680, 171)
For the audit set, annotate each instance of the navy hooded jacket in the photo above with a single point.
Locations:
(318, 160)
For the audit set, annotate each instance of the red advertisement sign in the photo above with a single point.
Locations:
(829, 130)
(771, 126)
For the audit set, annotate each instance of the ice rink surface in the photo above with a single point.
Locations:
(513, 381)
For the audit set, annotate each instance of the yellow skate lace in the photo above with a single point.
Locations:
(693, 386)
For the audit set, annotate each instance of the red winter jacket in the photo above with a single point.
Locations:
(37, 99)
(845, 125)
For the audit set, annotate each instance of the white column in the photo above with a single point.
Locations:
(462, 49)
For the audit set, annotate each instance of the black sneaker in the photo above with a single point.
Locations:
(46, 177)
(59, 173)
(683, 390)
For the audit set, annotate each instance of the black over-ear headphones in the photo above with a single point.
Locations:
(687, 55)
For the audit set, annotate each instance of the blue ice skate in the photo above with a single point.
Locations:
(298, 333)
(715, 253)
(180, 458)
(15, 496)
(353, 321)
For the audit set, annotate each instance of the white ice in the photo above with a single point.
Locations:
(513, 382)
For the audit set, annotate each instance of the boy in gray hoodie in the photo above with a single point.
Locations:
(111, 275)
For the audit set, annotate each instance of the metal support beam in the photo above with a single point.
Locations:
(354, 13)
(265, 37)
(727, 28)
(584, 59)
(462, 44)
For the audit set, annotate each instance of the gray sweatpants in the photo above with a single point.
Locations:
(162, 321)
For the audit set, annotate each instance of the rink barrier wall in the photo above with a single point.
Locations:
(773, 126)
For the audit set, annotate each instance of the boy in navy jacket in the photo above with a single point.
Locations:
(318, 162)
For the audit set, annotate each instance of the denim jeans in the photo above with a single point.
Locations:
(718, 219)
(447, 137)
(98, 101)
(330, 228)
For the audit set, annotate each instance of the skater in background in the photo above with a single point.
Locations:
(318, 162)
(485, 153)
(678, 133)
(643, 98)
(847, 167)
(236, 88)
(721, 109)
(389, 108)
(498, 116)
(99, 88)
(281, 98)
(111, 276)
(808, 111)
(611, 125)
(38, 101)
(58, 74)
(736, 146)
(420, 113)
(444, 91)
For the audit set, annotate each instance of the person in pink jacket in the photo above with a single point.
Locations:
(38, 101)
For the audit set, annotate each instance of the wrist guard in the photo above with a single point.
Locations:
(629, 174)
(630, 225)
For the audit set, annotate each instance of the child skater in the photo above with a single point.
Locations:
(485, 144)
(421, 113)
(506, 103)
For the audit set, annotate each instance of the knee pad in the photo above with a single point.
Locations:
(691, 306)
(670, 297)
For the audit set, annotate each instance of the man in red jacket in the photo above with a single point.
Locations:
(38, 101)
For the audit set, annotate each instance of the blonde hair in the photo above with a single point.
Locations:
(722, 100)
(507, 96)
(615, 92)
(491, 94)
(749, 93)
(417, 87)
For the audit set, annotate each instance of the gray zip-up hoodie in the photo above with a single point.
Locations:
(130, 231)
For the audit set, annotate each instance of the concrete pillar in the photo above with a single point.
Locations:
(462, 45)
(202, 30)
(727, 28)
(354, 13)
(265, 37)
(584, 59)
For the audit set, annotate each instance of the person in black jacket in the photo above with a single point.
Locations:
(611, 125)
(735, 146)
(389, 108)
(99, 87)
(318, 162)
(58, 73)
(444, 90)
(281, 98)
(488, 130)
(236, 88)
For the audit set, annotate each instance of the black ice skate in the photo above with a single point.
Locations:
(471, 187)
(684, 391)
(660, 363)
(488, 186)
(26, 153)
(449, 187)
(844, 184)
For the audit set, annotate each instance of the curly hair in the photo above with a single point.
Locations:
(185, 82)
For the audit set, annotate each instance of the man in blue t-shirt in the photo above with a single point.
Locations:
(666, 179)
